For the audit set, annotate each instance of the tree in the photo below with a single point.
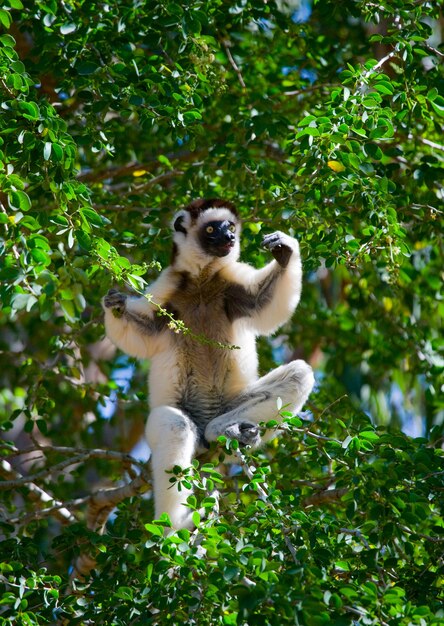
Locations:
(322, 119)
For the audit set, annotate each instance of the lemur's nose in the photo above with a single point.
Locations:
(229, 236)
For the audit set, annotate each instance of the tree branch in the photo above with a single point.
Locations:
(100, 506)
(233, 63)
(77, 455)
(38, 495)
(409, 531)
(150, 163)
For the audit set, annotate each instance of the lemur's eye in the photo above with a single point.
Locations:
(232, 227)
(209, 229)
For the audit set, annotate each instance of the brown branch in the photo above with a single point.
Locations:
(77, 455)
(126, 170)
(25, 518)
(100, 506)
(36, 494)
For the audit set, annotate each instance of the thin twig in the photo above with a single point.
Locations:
(357, 533)
(427, 142)
(233, 63)
(23, 519)
(379, 64)
(428, 537)
(434, 50)
(304, 90)
(305, 431)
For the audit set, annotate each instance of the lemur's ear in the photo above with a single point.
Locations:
(178, 223)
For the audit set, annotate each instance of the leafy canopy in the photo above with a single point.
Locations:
(321, 119)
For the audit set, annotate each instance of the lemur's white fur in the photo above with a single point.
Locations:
(220, 380)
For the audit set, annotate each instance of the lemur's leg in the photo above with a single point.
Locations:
(292, 383)
(172, 437)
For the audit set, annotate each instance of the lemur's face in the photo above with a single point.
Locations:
(210, 237)
(217, 237)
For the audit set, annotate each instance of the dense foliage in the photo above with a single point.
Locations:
(321, 119)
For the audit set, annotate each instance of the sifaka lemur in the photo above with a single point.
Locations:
(198, 390)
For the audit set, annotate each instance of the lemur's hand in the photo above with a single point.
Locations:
(281, 246)
(115, 301)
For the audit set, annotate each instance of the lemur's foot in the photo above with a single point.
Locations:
(246, 433)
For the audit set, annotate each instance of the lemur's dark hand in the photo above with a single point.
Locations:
(116, 301)
(280, 245)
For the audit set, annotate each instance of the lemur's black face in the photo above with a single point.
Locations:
(217, 238)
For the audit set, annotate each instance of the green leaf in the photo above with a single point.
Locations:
(438, 105)
(39, 241)
(40, 257)
(165, 160)
(23, 301)
(7, 41)
(57, 152)
(91, 216)
(384, 87)
(370, 435)
(154, 529)
(373, 151)
(431, 95)
(83, 239)
(359, 131)
(85, 68)
(313, 132)
(19, 200)
(5, 19)
(68, 309)
(30, 110)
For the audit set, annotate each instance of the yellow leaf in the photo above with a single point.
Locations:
(336, 166)
(139, 172)
(387, 303)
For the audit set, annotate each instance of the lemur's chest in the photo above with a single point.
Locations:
(200, 304)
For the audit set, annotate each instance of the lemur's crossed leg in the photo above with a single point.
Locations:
(173, 437)
(292, 383)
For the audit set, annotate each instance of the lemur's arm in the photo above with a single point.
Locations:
(132, 323)
(267, 296)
